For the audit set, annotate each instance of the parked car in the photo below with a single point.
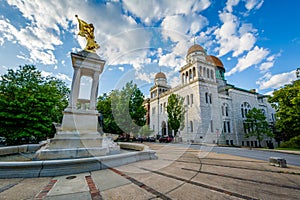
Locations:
(150, 139)
(166, 139)
(140, 139)
(2, 140)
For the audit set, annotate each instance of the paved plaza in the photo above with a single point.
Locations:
(178, 173)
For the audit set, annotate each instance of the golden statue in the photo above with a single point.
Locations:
(87, 30)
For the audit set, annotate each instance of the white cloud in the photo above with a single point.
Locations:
(45, 74)
(63, 77)
(1, 41)
(176, 58)
(276, 81)
(176, 27)
(60, 76)
(230, 4)
(42, 34)
(171, 60)
(253, 57)
(121, 69)
(180, 29)
(158, 9)
(265, 66)
(253, 4)
(232, 36)
(148, 77)
(175, 81)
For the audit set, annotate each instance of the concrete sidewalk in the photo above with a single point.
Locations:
(179, 173)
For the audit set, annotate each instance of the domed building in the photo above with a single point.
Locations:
(215, 110)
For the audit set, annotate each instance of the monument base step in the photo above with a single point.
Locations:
(48, 154)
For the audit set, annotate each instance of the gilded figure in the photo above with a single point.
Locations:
(87, 30)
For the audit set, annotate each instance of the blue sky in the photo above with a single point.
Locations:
(258, 41)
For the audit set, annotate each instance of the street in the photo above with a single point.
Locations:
(291, 159)
(181, 172)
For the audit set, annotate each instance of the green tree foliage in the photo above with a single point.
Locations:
(176, 111)
(104, 107)
(286, 102)
(145, 131)
(123, 110)
(258, 125)
(292, 143)
(29, 103)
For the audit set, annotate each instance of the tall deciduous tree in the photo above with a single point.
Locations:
(126, 112)
(29, 104)
(104, 107)
(176, 111)
(258, 125)
(286, 102)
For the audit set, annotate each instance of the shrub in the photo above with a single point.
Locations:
(292, 143)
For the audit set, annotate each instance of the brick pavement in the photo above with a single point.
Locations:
(179, 173)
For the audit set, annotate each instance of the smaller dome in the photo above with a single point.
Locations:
(194, 48)
(216, 61)
(160, 75)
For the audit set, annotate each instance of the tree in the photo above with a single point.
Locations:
(29, 104)
(104, 107)
(123, 110)
(145, 131)
(175, 110)
(258, 125)
(286, 102)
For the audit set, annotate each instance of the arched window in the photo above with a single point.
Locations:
(186, 77)
(187, 100)
(191, 126)
(200, 73)
(190, 73)
(192, 98)
(194, 72)
(207, 71)
(212, 74)
(153, 111)
(208, 98)
(245, 107)
(226, 127)
(204, 71)
(182, 78)
(263, 111)
(225, 110)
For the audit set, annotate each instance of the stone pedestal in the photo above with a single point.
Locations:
(78, 136)
(81, 114)
(80, 120)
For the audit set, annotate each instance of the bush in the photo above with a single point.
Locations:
(292, 143)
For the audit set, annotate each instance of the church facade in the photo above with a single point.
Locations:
(215, 110)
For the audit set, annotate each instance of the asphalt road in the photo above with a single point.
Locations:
(291, 159)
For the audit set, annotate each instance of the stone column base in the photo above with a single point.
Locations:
(80, 120)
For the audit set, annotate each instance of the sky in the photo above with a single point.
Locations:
(258, 41)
